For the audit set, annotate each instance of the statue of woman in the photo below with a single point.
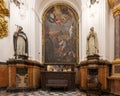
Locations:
(92, 43)
(20, 44)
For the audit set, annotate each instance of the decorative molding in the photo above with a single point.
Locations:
(3, 87)
(116, 10)
(116, 61)
(25, 62)
(3, 63)
(94, 62)
(19, 89)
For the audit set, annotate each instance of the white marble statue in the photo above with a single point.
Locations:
(92, 43)
(20, 43)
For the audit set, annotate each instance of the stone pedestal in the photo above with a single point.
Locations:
(93, 57)
(114, 85)
(24, 75)
(4, 75)
(114, 79)
(116, 68)
(94, 67)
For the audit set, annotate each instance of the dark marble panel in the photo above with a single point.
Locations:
(117, 69)
(21, 70)
(21, 76)
(117, 37)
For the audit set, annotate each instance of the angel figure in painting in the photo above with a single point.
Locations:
(92, 43)
(20, 44)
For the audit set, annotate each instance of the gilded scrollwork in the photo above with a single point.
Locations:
(115, 6)
(3, 27)
(116, 10)
(3, 22)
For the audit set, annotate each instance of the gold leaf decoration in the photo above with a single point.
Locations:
(111, 3)
(3, 22)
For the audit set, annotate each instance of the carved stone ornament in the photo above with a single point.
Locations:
(3, 22)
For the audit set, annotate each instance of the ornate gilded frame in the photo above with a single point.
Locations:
(3, 22)
(45, 33)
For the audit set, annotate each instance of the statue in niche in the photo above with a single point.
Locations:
(20, 44)
(92, 43)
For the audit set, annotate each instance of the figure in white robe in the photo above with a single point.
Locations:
(92, 43)
(20, 44)
(71, 31)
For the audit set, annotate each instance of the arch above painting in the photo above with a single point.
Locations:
(60, 35)
(43, 5)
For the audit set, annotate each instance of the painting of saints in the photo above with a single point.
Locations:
(61, 22)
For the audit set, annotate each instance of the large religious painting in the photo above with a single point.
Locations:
(60, 35)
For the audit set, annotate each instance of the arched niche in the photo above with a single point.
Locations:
(60, 35)
(43, 5)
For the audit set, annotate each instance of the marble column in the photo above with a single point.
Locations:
(117, 37)
(114, 79)
(116, 13)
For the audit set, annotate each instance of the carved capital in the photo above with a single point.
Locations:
(116, 10)
(111, 3)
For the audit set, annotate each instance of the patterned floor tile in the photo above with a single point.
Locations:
(43, 93)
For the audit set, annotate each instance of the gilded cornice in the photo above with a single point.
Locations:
(116, 61)
(116, 10)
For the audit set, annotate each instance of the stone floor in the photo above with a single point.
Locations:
(46, 93)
